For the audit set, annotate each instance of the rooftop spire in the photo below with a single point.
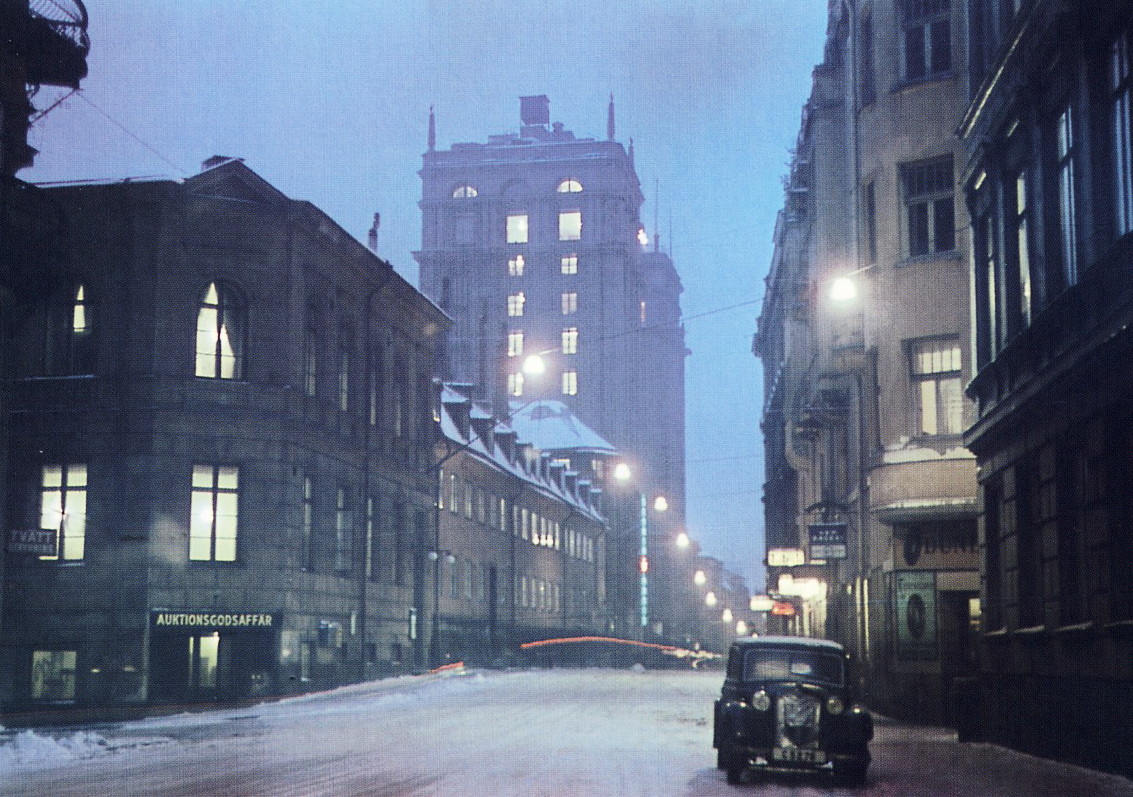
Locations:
(432, 130)
(631, 152)
(610, 119)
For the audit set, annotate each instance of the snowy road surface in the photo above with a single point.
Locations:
(566, 733)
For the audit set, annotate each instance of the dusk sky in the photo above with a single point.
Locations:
(329, 102)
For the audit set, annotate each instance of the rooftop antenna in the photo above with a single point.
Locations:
(610, 119)
(432, 130)
(656, 210)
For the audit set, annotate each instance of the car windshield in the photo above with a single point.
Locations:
(792, 664)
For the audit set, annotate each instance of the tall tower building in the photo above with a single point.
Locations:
(532, 242)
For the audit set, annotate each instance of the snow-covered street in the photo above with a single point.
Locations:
(487, 734)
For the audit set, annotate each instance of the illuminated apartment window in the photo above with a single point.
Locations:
(1067, 202)
(213, 519)
(63, 509)
(570, 383)
(570, 225)
(515, 384)
(642, 315)
(515, 344)
(569, 264)
(517, 228)
(570, 340)
(569, 186)
(53, 674)
(936, 375)
(220, 331)
(70, 336)
(1121, 102)
(570, 303)
(465, 192)
(515, 304)
(515, 266)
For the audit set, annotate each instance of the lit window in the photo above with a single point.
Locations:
(569, 264)
(570, 383)
(70, 339)
(515, 304)
(212, 526)
(570, 340)
(929, 207)
(63, 509)
(927, 38)
(53, 674)
(570, 225)
(465, 192)
(570, 303)
(515, 384)
(569, 186)
(936, 373)
(343, 533)
(515, 344)
(642, 315)
(515, 266)
(220, 331)
(1067, 210)
(517, 228)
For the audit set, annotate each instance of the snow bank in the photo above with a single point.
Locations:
(29, 747)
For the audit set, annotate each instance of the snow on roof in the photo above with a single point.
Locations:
(552, 426)
(487, 449)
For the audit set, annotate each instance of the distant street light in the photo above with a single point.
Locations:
(700, 578)
(683, 541)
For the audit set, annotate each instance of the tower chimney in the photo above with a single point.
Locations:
(610, 119)
(373, 239)
(432, 130)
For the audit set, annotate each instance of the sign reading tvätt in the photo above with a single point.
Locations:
(35, 542)
(212, 620)
(827, 540)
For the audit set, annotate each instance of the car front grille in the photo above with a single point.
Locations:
(797, 718)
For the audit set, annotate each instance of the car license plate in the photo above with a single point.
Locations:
(794, 755)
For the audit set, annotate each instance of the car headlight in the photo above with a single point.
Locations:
(761, 701)
(835, 705)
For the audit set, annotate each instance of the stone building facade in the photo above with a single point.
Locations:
(870, 495)
(1049, 185)
(520, 554)
(221, 450)
(533, 244)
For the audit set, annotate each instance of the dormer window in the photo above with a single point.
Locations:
(465, 192)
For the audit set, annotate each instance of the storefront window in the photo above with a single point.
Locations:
(53, 675)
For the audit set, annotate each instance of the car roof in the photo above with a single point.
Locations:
(789, 641)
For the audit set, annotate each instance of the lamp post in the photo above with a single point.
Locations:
(623, 473)
(434, 640)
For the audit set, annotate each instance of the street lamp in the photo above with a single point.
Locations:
(434, 641)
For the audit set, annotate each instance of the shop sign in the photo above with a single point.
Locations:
(210, 620)
(937, 548)
(785, 557)
(36, 542)
(827, 540)
(916, 615)
(783, 609)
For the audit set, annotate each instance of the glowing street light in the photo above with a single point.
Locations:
(683, 541)
(710, 600)
(622, 472)
(700, 578)
(660, 504)
(843, 289)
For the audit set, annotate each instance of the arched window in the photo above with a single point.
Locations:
(220, 333)
(70, 339)
(465, 192)
(569, 186)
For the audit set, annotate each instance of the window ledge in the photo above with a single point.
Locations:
(999, 635)
(59, 378)
(1030, 632)
(1075, 629)
(1120, 628)
(910, 83)
(931, 257)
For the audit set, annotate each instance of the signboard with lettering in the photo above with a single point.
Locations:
(785, 557)
(34, 542)
(915, 594)
(161, 619)
(827, 540)
(940, 547)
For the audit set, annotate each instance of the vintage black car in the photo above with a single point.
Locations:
(787, 706)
